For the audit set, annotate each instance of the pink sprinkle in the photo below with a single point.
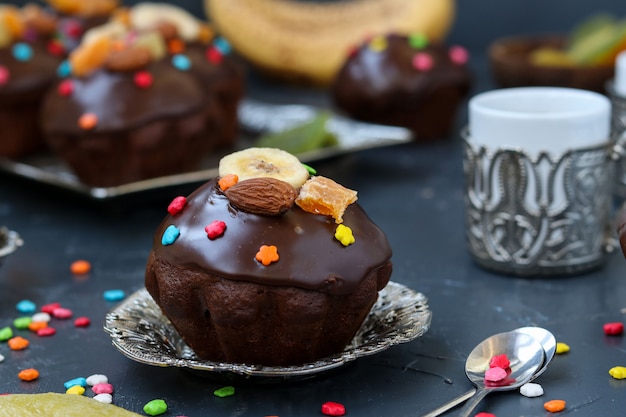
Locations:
(49, 308)
(483, 414)
(82, 322)
(458, 55)
(501, 361)
(613, 329)
(422, 61)
(46, 331)
(4, 75)
(176, 205)
(214, 56)
(331, 408)
(103, 388)
(495, 374)
(65, 88)
(215, 229)
(62, 313)
(143, 79)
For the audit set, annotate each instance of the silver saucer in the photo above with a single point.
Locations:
(142, 333)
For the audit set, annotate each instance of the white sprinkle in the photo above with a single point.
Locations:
(104, 398)
(96, 379)
(41, 317)
(1, 358)
(531, 389)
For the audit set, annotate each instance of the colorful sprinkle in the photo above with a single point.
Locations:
(46, 331)
(495, 374)
(62, 313)
(170, 235)
(613, 329)
(26, 306)
(267, 254)
(22, 52)
(458, 55)
(80, 381)
(175, 46)
(422, 61)
(227, 181)
(214, 56)
(618, 372)
(65, 88)
(64, 69)
(18, 343)
(177, 204)
(143, 79)
(80, 267)
(29, 374)
(82, 322)
(75, 390)
(55, 47)
(22, 323)
(1, 358)
(312, 171)
(88, 121)
(96, 379)
(344, 235)
(554, 406)
(215, 229)
(35, 326)
(378, 43)
(331, 408)
(4, 75)
(49, 308)
(114, 295)
(222, 45)
(224, 392)
(155, 407)
(5, 334)
(418, 40)
(562, 348)
(103, 398)
(104, 388)
(181, 62)
(41, 317)
(483, 414)
(501, 361)
(531, 390)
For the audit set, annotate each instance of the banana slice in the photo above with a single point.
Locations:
(264, 162)
(146, 15)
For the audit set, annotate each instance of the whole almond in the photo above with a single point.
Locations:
(131, 58)
(265, 196)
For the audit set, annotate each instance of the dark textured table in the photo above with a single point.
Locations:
(414, 192)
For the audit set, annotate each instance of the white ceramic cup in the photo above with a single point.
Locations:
(539, 173)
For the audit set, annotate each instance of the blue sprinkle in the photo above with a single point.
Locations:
(170, 235)
(22, 51)
(64, 69)
(114, 295)
(222, 45)
(76, 381)
(26, 307)
(181, 62)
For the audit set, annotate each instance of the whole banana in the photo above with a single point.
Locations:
(308, 41)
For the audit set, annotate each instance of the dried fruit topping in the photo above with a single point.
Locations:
(321, 195)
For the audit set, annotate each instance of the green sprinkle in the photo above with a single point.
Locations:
(155, 407)
(5, 334)
(21, 323)
(224, 392)
(311, 170)
(418, 40)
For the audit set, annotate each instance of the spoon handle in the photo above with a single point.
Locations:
(450, 404)
(471, 404)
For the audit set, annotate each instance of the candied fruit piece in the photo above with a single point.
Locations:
(321, 195)
(91, 56)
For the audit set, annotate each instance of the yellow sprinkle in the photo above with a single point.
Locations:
(344, 235)
(76, 390)
(378, 44)
(562, 348)
(618, 372)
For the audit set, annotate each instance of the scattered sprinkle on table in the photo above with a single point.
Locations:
(104, 398)
(5, 334)
(618, 372)
(41, 317)
(224, 392)
(155, 407)
(82, 322)
(331, 408)
(114, 295)
(531, 390)
(483, 414)
(76, 381)
(26, 307)
(1, 358)
(46, 331)
(96, 379)
(554, 406)
(103, 388)
(29, 374)
(21, 323)
(80, 267)
(613, 329)
(562, 348)
(62, 313)
(18, 343)
(75, 390)
(49, 308)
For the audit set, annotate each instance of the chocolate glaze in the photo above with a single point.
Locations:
(35, 74)
(310, 256)
(119, 103)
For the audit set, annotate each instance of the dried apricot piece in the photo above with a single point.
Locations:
(321, 195)
(90, 56)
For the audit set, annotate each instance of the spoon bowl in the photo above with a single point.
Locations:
(526, 356)
(547, 341)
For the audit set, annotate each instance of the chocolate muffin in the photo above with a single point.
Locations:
(247, 276)
(404, 81)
